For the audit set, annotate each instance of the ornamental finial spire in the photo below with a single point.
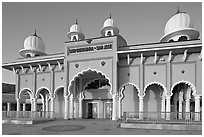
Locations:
(76, 22)
(35, 34)
(178, 10)
(110, 16)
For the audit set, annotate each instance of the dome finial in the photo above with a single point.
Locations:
(76, 22)
(110, 16)
(35, 33)
(178, 10)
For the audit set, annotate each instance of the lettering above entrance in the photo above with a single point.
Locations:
(94, 48)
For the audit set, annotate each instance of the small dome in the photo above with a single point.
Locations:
(75, 29)
(33, 45)
(179, 25)
(109, 24)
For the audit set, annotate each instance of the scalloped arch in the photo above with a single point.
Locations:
(57, 89)
(185, 82)
(90, 82)
(30, 92)
(121, 92)
(157, 83)
(41, 88)
(82, 73)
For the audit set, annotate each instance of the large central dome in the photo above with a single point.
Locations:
(177, 26)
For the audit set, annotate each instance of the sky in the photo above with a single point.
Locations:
(138, 23)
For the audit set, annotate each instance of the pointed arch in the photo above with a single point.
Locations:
(185, 82)
(82, 73)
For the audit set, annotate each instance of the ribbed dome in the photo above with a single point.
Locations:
(179, 25)
(75, 28)
(33, 45)
(109, 24)
(178, 22)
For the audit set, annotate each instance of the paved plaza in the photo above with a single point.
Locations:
(84, 127)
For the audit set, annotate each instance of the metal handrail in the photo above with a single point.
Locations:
(28, 114)
(163, 117)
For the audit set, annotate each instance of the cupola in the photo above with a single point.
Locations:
(179, 28)
(33, 46)
(75, 33)
(109, 28)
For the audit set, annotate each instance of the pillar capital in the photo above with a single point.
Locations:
(168, 97)
(197, 97)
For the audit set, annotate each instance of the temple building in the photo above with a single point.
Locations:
(103, 77)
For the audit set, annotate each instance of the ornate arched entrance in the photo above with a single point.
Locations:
(59, 102)
(154, 100)
(25, 97)
(90, 95)
(128, 99)
(183, 100)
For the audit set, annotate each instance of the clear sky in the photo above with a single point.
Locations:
(138, 23)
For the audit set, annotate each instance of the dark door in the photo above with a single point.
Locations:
(90, 110)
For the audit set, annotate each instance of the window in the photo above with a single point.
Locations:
(182, 38)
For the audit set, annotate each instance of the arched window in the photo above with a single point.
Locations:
(171, 40)
(74, 38)
(109, 33)
(182, 38)
(28, 55)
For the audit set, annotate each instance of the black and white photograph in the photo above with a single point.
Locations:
(101, 68)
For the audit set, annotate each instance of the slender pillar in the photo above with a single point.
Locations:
(120, 108)
(114, 107)
(71, 111)
(141, 107)
(197, 108)
(80, 107)
(34, 104)
(163, 107)
(18, 104)
(43, 105)
(52, 107)
(24, 106)
(8, 106)
(168, 107)
(18, 107)
(180, 104)
(188, 97)
(47, 107)
(66, 107)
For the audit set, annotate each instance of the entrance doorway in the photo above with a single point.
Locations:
(92, 110)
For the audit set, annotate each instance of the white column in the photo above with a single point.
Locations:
(120, 107)
(168, 107)
(163, 107)
(34, 104)
(47, 107)
(52, 107)
(24, 106)
(188, 97)
(71, 114)
(197, 108)
(180, 104)
(80, 107)
(141, 107)
(66, 107)
(114, 107)
(8, 106)
(43, 105)
(18, 104)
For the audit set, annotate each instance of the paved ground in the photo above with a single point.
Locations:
(84, 127)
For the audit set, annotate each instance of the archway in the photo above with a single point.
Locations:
(59, 102)
(42, 99)
(154, 100)
(25, 96)
(182, 100)
(91, 95)
(129, 99)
